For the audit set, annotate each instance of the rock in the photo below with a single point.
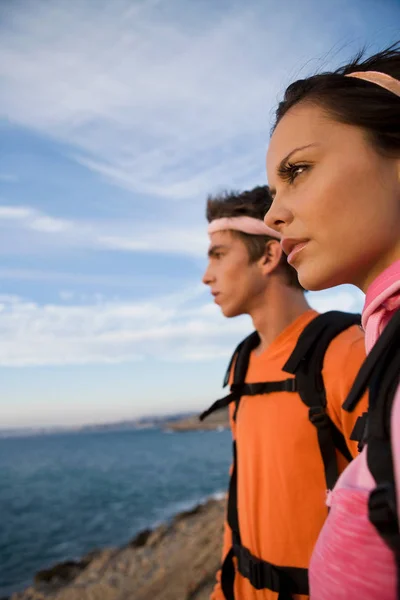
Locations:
(175, 561)
(141, 538)
(62, 572)
(188, 513)
(157, 535)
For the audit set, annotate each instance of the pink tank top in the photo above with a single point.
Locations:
(350, 559)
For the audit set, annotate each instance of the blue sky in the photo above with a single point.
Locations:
(116, 121)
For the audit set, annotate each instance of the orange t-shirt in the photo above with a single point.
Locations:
(280, 475)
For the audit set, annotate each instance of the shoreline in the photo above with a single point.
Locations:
(143, 568)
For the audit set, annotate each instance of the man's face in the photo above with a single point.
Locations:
(235, 283)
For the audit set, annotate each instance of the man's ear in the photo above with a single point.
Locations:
(271, 257)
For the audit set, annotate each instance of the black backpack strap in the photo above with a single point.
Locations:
(261, 574)
(250, 389)
(240, 359)
(218, 405)
(306, 360)
(360, 431)
(384, 344)
(306, 363)
(380, 374)
(286, 581)
(232, 360)
(383, 378)
(389, 336)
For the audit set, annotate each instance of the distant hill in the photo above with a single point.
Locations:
(142, 423)
(178, 421)
(219, 419)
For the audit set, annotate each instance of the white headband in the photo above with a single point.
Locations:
(248, 225)
(383, 79)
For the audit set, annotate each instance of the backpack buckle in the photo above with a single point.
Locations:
(255, 573)
(382, 505)
(291, 385)
(382, 513)
(253, 569)
(317, 415)
(237, 389)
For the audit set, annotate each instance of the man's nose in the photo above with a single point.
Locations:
(207, 277)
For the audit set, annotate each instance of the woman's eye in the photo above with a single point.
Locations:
(290, 172)
(298, 170)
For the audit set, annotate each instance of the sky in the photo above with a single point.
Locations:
(117, 119)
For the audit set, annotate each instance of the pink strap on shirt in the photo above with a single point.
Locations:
(381, 301)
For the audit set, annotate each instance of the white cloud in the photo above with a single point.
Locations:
(87, 279)
(181, 327)
(110, 332)
(47, 224)
(127, 236)
(30, 218)
(345, 298)
(16, 212)
(166, 98)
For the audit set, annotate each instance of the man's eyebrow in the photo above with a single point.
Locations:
(286, 158)
(214, 249)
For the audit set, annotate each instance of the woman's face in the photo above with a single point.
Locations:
(336, 200)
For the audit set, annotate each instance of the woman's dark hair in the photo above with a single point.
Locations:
(354, 101)
(254, 203)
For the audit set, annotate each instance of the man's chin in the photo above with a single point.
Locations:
(229, 313)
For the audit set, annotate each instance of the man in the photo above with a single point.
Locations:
(291, 436)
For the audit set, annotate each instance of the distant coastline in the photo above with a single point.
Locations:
(176, 422)
(218, 420)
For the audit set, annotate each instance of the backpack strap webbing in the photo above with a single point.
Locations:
(240, 360)
(380, 373)
(306, 364)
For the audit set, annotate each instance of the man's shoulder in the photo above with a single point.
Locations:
(347, 346)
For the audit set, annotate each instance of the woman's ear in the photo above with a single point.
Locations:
(272, 257)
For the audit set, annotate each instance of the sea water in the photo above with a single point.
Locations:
(64, 495)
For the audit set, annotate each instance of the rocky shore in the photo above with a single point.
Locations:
(175, 561)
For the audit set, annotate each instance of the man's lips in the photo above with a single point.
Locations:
(292, 246)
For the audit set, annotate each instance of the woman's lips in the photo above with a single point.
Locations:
(292, 247)
(295, 251)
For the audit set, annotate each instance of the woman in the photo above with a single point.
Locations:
(334, 170)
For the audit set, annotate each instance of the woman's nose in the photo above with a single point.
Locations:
(278, 217)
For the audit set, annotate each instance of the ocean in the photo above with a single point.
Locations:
(64, 495)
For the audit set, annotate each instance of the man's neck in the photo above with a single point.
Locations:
(280, 306)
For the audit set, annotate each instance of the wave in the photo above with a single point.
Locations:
(176, 508)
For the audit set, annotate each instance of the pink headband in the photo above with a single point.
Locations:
(245, 224)
(386, 81)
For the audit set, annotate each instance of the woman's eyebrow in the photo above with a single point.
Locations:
(284, 160)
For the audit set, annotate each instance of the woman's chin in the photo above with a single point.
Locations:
(316, 280)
